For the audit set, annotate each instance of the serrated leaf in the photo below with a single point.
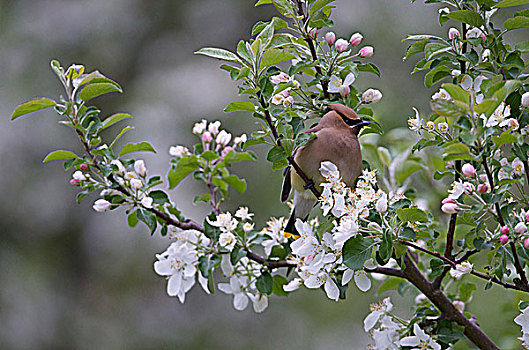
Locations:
(94, 90)
(516, 23)
(276, 154)
(239, 106)
(275, 56)
(356, 251)
(411, 214)
(467, 16)
(31, 106)
(136, 147)
(457, 92)
(59, 155)
(508, 3)
(113, 119)
(220, 54)
(236, 183)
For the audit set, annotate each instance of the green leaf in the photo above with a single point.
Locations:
(447, 108)
(59, 155)
(220, 54)
(136, 147)
(504, 138)
(121, 133)
(437, 266)
(94, 90)
(148, 218)
(435, 75)
(276, 154)
(415, 48)
(507, 3)
(386, 246)
(265, 283)
(32, 106)
(262, 2)
(235, 182)
(434, 49)
(175, 176)
(467, 16)
(234, 157)
(239, 106)
(369, 68)
(132, 219)
(487, 106)
(465, 291)
(279, 282)
(318, 5)
(411, 214)
(283, 7)
(113, 119)
(522, 47)
(516, 23)
(159, 196)
(356, 251)
(457, 92)
(209, 155)
(275, 56)
(406, 169)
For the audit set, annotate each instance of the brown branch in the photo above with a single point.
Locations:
(308, 40)
(387, 271)
(273, 264)
(308, 182)
(526, 168)
(448, 310)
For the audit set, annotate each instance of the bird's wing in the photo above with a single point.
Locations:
(287, 185)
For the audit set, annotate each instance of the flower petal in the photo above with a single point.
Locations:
(332, 289)
(362, 281)
(240, 301)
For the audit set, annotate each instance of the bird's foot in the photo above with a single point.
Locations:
(309, 184)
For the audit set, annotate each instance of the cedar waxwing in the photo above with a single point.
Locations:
(336, 141)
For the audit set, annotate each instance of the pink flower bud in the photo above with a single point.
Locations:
(206, 136)
(75, 182)
(472, 131)
(226, 150)
(356, 39)
(526, 243)
(525, 99)
(330, 38)
(341, 45)
(504, 230)
(83, 167)
(520, 228)
(468, 170)
(453, 33)
(344, 90)
(504, 239)
(448, 200)
(313, 32)
(527, 216)
(449, 208)
(483, 188)
(366, 51)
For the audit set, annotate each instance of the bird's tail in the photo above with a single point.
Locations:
(303, 204)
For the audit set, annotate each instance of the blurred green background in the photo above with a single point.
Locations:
(73, 278)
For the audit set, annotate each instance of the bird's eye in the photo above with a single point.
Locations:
(352, 122)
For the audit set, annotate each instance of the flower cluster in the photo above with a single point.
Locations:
(523, 321)
(387, 331)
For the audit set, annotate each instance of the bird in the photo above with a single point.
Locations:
(336, 141)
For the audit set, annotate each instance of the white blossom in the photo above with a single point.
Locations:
(227, 240)
(236, 287)
(461, 269)
(78, 175)
(199, 128)
(213, 127)
(178, 151)
(243, 213)
(420, 340)
(335, 83)
(371, 96)
(101, 205)
(140, 168)
(415, 123)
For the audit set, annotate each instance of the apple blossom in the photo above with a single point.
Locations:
(371, 96)
(449, 208)
(223, 138)
(453, 33)
(206, 137)
(442, 94)
(341, 45)
(366, 51)
(420, 340)
(139, 168)
(461, 269)
(213, 127)
(199, 128)
(415, 123)
(313, 32)
(476, 33)
(468, 170)
(280, 78)
(526, 243)
(237, 289)
(101, 205)
(119, 165)
(520, 228)
(79, 176)
(330, 38)
(504, 239)
(517, 166)
(147, 201)
(288, 101)
(504, 230)
(75, 182)
(227, 240)
(178, 151)
(344, 90)
(525, 99)
(83, 167)
(442, 127)
(226, 150)
(239, 140)
(430, 126)
(336, 85)
(356, 39)
(293, 285)
(444, 11)
(136, 184)
(259, 302)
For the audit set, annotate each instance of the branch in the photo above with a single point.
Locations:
(308, 182)
(308, 40)
(387, 271)
(273, 264)
(448, 310)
